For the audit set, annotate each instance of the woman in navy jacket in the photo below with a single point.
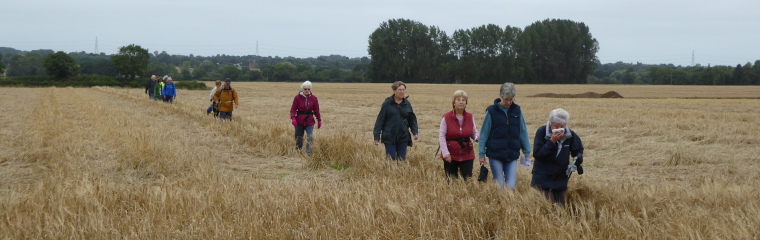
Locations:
(553, 147)
(502, 135)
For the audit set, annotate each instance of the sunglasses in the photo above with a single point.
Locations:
(307, 89)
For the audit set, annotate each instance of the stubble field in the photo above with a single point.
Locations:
(665, 162)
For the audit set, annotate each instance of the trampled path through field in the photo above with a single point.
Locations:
(206, 134)
(109, 126)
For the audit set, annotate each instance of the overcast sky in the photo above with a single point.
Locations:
(663, 31)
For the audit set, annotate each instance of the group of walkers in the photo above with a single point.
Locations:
(224, 99)
(161, 89)
(502, 136)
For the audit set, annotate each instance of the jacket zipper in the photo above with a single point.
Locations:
(460, 131)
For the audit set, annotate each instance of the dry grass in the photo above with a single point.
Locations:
(105, 163)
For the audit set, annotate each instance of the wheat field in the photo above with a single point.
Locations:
(665, 162)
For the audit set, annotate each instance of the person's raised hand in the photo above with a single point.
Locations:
(557, 136)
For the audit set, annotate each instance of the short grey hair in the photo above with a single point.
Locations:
(508, 90)
(560, 116)
(304, 84)
(457, 94)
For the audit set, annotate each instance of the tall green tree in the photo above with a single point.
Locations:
(405, 50)
(253, 75)
(486, 54)
(184, 72)
(96, 66)
(60, 65)
(722, 75)
(559, 51)
(738, 76)
(131, 61)
(231, 72)
(284, 71)
(753, 74)
(29, 64)
(440, 65)
(2, 66)
(200, 74)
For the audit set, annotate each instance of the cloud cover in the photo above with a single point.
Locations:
(647, 31)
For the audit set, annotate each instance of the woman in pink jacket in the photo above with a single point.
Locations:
(305, 107)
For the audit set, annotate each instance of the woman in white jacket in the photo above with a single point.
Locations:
(218, 84)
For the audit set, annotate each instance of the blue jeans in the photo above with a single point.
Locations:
(504, 172)
(396, 151)
(150, 94)
(299, 137)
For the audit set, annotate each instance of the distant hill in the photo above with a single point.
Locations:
(6, 51)
(10, 51)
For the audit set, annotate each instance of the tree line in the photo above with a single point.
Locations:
(668, 74)
(32, 65)
(549, 51)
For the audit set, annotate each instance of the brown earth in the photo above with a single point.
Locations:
(610, 94)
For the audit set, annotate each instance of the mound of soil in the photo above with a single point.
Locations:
(610, 94)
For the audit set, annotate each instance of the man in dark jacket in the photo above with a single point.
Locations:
(553, 146)
(393, 122)
(149, 87)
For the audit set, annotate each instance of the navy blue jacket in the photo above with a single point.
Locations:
(504, 136)
(550, 166)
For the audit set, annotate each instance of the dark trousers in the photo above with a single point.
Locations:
(212, 109)
(309, 139)
(555, 196)
(225, 115)
(455, 168)
(396, 151)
